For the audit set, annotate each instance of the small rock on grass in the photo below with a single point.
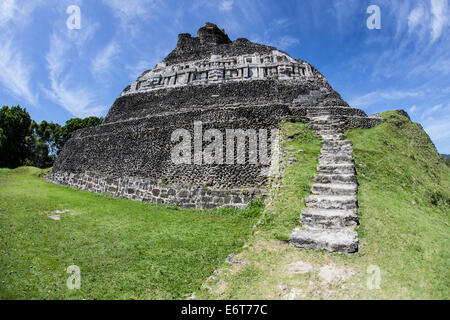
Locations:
(60, 212)
(191, 297)
(230, 259)
(283, 287)
(294, 293)
(55, 217)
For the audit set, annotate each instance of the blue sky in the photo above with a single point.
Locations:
(57, 73)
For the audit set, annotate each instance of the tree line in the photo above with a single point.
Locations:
(24, 142)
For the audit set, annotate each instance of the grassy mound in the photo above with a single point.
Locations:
(125, 249)
(404, 211)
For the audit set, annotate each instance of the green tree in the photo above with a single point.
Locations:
(39, 153)
(50, 133)
(2, 138)
(25, 142)
(16, 136)
(56, 136)
(75, 124)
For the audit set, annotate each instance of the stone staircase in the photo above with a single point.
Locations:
(331, 214)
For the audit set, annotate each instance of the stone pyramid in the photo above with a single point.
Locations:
(206, 83)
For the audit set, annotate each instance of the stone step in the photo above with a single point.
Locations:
(319, 111)
(330, 106)
(326, 122)
(326, 126)
(331, 214)
(337, 150)
(340, 240)
(329, 132)
(319, 106)
(334, 188)
(322, 218)
(333, 136)
(332, 202)
(329, 158)
(321, 115)
(327, 162)
(336, 168)
(336, 144)
(335, 178)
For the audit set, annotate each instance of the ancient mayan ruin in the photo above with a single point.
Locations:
(223, 85)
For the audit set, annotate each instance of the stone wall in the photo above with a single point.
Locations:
(215, 97)
(142, 147)
(352, 122)
(148, 191)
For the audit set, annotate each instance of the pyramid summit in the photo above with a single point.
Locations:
(212, 57)
(207, 86)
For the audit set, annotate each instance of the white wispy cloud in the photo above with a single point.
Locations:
(285, 42)
(380, 95)
(438, 129)
(439, 9)
(416, 17)
(431, 110)
(8, 9)
(226, 5)
(78, 100)
(415, 50)
(15, 73)
(135, 70)
(129, 10)
(412, 109)
(429, 17)
(104, 58)
(15, 69)
(15, 14)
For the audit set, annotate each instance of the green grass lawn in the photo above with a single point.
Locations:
(404, 198)
(133, 250)
(125, 249)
